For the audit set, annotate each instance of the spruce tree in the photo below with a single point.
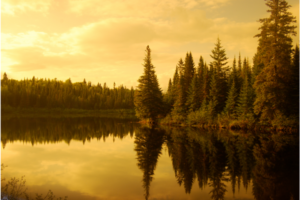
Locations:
(245, 99)
(174, 85)
(179, 108)
(240, 65)
(294, 85)
(275, 43)
(213, 96)
(168, 97)
(180, 94)
(188, 74)
(231, 102)
(219, 62)
(193, 102)
(189, 70)
(148, 99)
(205, 84)
(200, 77)
(233, 77)
(5, 79)
(239, 83)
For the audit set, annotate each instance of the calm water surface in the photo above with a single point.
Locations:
(97, 158)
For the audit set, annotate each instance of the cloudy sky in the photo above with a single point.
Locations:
(105, 40)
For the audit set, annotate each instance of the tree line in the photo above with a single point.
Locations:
(215, 93)
(46, 93)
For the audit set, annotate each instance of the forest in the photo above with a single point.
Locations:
(236, 96)
(43, 93)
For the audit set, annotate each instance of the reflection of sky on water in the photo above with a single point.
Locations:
(97, 170)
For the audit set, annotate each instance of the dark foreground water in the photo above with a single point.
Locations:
(94, 158)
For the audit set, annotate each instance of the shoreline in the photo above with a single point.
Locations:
(253, 127)
(61, 112)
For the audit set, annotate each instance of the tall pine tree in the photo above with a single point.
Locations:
(148, 99)
(275, 43)
(219, 64)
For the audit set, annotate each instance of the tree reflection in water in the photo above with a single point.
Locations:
(266, 163)
(148, 145)
(52, 130)
(276, 173)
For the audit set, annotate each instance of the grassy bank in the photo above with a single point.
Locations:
(7, 111)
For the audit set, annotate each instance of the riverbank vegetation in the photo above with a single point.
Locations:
(16, 188)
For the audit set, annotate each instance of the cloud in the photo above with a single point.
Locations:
(13, 7)
(135, 8)
(214, 3)
(27, 58)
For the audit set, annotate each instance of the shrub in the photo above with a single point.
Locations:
(224, 120)
(199, 117)
(244, 122)
(281, 121)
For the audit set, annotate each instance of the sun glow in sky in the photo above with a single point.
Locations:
(105, 41)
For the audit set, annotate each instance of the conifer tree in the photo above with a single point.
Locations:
(257, 66)
(231, 102)
(193, 102)
(275, 43)
(170, 87)
(219, 59)
(245, 99)
(168, 97)
(175, 83)
(180, 93)
(240, 65)
(205, 85)
(200, 75)
(213, 95)
(233, 77)
(148, 99)
(5, 78)
(189, 70)
(294, 84)
(187, 76)
(239, 83)
(179, 104)
(219, 62)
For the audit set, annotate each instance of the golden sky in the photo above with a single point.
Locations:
(105, 40)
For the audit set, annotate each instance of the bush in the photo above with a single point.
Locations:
(244, 122)
(224, 120)
(197, 117)
(200, 117)
(178, 119)
(173, 119)
(281, 121)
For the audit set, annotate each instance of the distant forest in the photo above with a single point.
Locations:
(43, 93)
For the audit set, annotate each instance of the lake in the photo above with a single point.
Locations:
(104, 158)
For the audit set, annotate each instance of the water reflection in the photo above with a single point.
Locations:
(266, 165)
(276, 173)
(148, 148)
(52, 130)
